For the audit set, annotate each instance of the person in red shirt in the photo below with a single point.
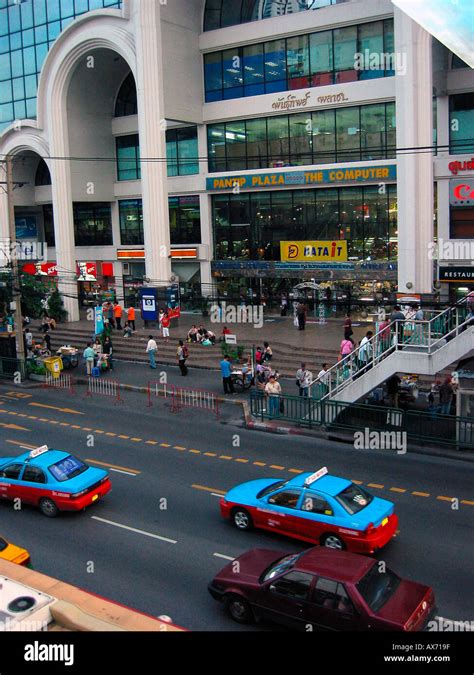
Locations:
(165, 327)
(118, 315)
(226, 331)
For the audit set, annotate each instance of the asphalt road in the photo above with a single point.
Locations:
(167, 474)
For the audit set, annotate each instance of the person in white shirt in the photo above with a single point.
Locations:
(304, 378)
(365, 349)
(273, 391)
(324, 378)
(151, 350)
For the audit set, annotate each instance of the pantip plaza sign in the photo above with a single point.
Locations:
(360, 174)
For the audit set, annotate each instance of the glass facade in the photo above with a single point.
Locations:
(461, 123)
(181, 153)
(28, 29)
(223, 13)
(250, 226)
(42, 176)
(92, 224)
(311, 60)
(126, 102)
(322, 137)
(185, 221)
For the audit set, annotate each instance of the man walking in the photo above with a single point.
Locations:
(301, 314)
(151, 350)
(365, 350)
(398, 316)
(118, 315)
(446, 393)
(182, 354)
(131, 317)
(303, 379)
(89, 356)
(324, 378)
(393, 389)
(165, 327)
(226, 370)
(273, 391)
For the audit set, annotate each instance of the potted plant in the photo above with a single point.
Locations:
(36, 372)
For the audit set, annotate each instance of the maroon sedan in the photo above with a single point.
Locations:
(321, 588)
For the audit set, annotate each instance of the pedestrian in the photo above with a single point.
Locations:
(283, 305)
(127, 330)
(348, 327)
(365, 350)
(384, 335)
(28, 338)
(273, 391)
(324, 378)
(165, 327)
(108, 350)
(393, 390)
(267, 352)
(110, 314)
(347, 346)
(47, 340)
(118, 315)
(419, 313)
(301, 310)
(446, 394)
(398, 316)
(182, 354)
(131, 317)
(226, 370)
(259, 356)
(434, 391)
(151, 350)
(97, 347)
(161, 314)
(89, 356)
(304, 378)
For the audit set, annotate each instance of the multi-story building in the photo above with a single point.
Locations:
(153, 138)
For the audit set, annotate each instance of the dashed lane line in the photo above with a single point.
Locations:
(196, 486)
(420, 494)
(134, 529)
(221, 555)
(116, 467)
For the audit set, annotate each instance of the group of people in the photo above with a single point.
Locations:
(182, 354)
(36, 347)
(113, 314)
(203, 336)
(98, 354)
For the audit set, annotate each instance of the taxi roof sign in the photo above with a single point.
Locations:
(316, 475)
(38, 451)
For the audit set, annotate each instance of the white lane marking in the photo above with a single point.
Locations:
(221, 555)
(127, 473)
(215, 494)
(133, 529)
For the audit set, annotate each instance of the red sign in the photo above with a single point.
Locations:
(86, 271)
(49, 269)
(457, 166)
(107, 269)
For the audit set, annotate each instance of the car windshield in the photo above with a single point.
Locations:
(378, 587)
(354, 498)
(67, 468)
(3, 544)
(281, 565)
(274, 486)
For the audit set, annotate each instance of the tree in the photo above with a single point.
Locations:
(56, 306)
(33, 292)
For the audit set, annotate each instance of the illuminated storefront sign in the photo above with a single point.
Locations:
(461, 192)
(304, 178)
(314, 251)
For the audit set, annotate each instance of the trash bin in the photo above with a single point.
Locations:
(54, 364)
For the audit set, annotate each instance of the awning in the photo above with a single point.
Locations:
(185, 271)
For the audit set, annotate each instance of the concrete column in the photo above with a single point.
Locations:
(442, 114)
(4, 229)
(414, 89)
(152, 131)
(62, 211)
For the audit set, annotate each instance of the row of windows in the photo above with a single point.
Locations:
(93, 222)
(325, 57)
(27, 32)
(251, 226)
(461, 123)
(181, 154)
(346, 134)
(223, 13)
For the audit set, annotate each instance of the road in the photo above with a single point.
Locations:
(157, 539)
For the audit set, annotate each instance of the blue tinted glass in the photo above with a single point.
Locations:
(271, 87)
(20, 110)
(31, 107)
(28, 37)
(29, 60)
(53, 30)
(14, 18)
(5, 92)
(26, 15)
(213, 96)
(232, 67)
(41, 52)
(40, 11)
(18, 88)
(95, 4)
(4, 45)
(3, 22)
(213, 71)
(15, 41)
(53, 10)
(81, 6)
(67, 8)
(5, 69)
(6, 113)
(17, 63)
(254, 89)
(233, 92)
(30, 86)
(41, 34)
(65, 22)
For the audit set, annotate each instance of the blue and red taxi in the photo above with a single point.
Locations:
(318, 508)
(53, 480)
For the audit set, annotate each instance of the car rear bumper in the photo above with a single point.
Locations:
(85, 500)
(381, 536)
(216, 593)
(225, 508)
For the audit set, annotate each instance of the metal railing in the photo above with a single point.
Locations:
(64, 381)
(194, 398)
(104, 387)
(11, 368)
(420, 426)
(426, 336)
(157, 389)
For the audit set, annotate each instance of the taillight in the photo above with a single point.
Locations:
(370, 529)
(76, 495)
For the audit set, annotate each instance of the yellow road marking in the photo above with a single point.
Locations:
(32, 417)
(97, 431)
(110, 433)
(165, 445)
(152, 442)
(210, 454)
(137, 440)
(207, 489)
(112, 466)
(87, 429)
(295, 470)
(27, 445)
(243, 461)
(394, 489)
(64, 424)
(53, 421)
(275, 466)
(10, 412)
(13, 426)
(179, 447)
(54, 407)
(43, 419)
(260, 464)
(122, 436)
(195, 452)
(225, 457)
(445, 499)
(22, 415)
(420, 494)
(18, 394)
(466, 501)
(375, 485)
(75, 426)
(2, 410)
(357, 482)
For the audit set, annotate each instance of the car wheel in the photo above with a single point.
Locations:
(239, 609)
(48, 508)
(242, 519)
(333, 541)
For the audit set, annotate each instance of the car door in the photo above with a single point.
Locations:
(285, 599)
(279, 511)
(316, 515)
(34, 484)
(10, 485)
(331, 607)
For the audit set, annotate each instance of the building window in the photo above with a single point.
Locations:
(92, 224)
(461, 222)
(126, 103)
(48, 224)
(461, 123)
(310, 60)
(182, 151)
(184, 214)
(250, 226)
(28, 30)
(42, 176)
(128, 157)
(322, 137)
(131, 222)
